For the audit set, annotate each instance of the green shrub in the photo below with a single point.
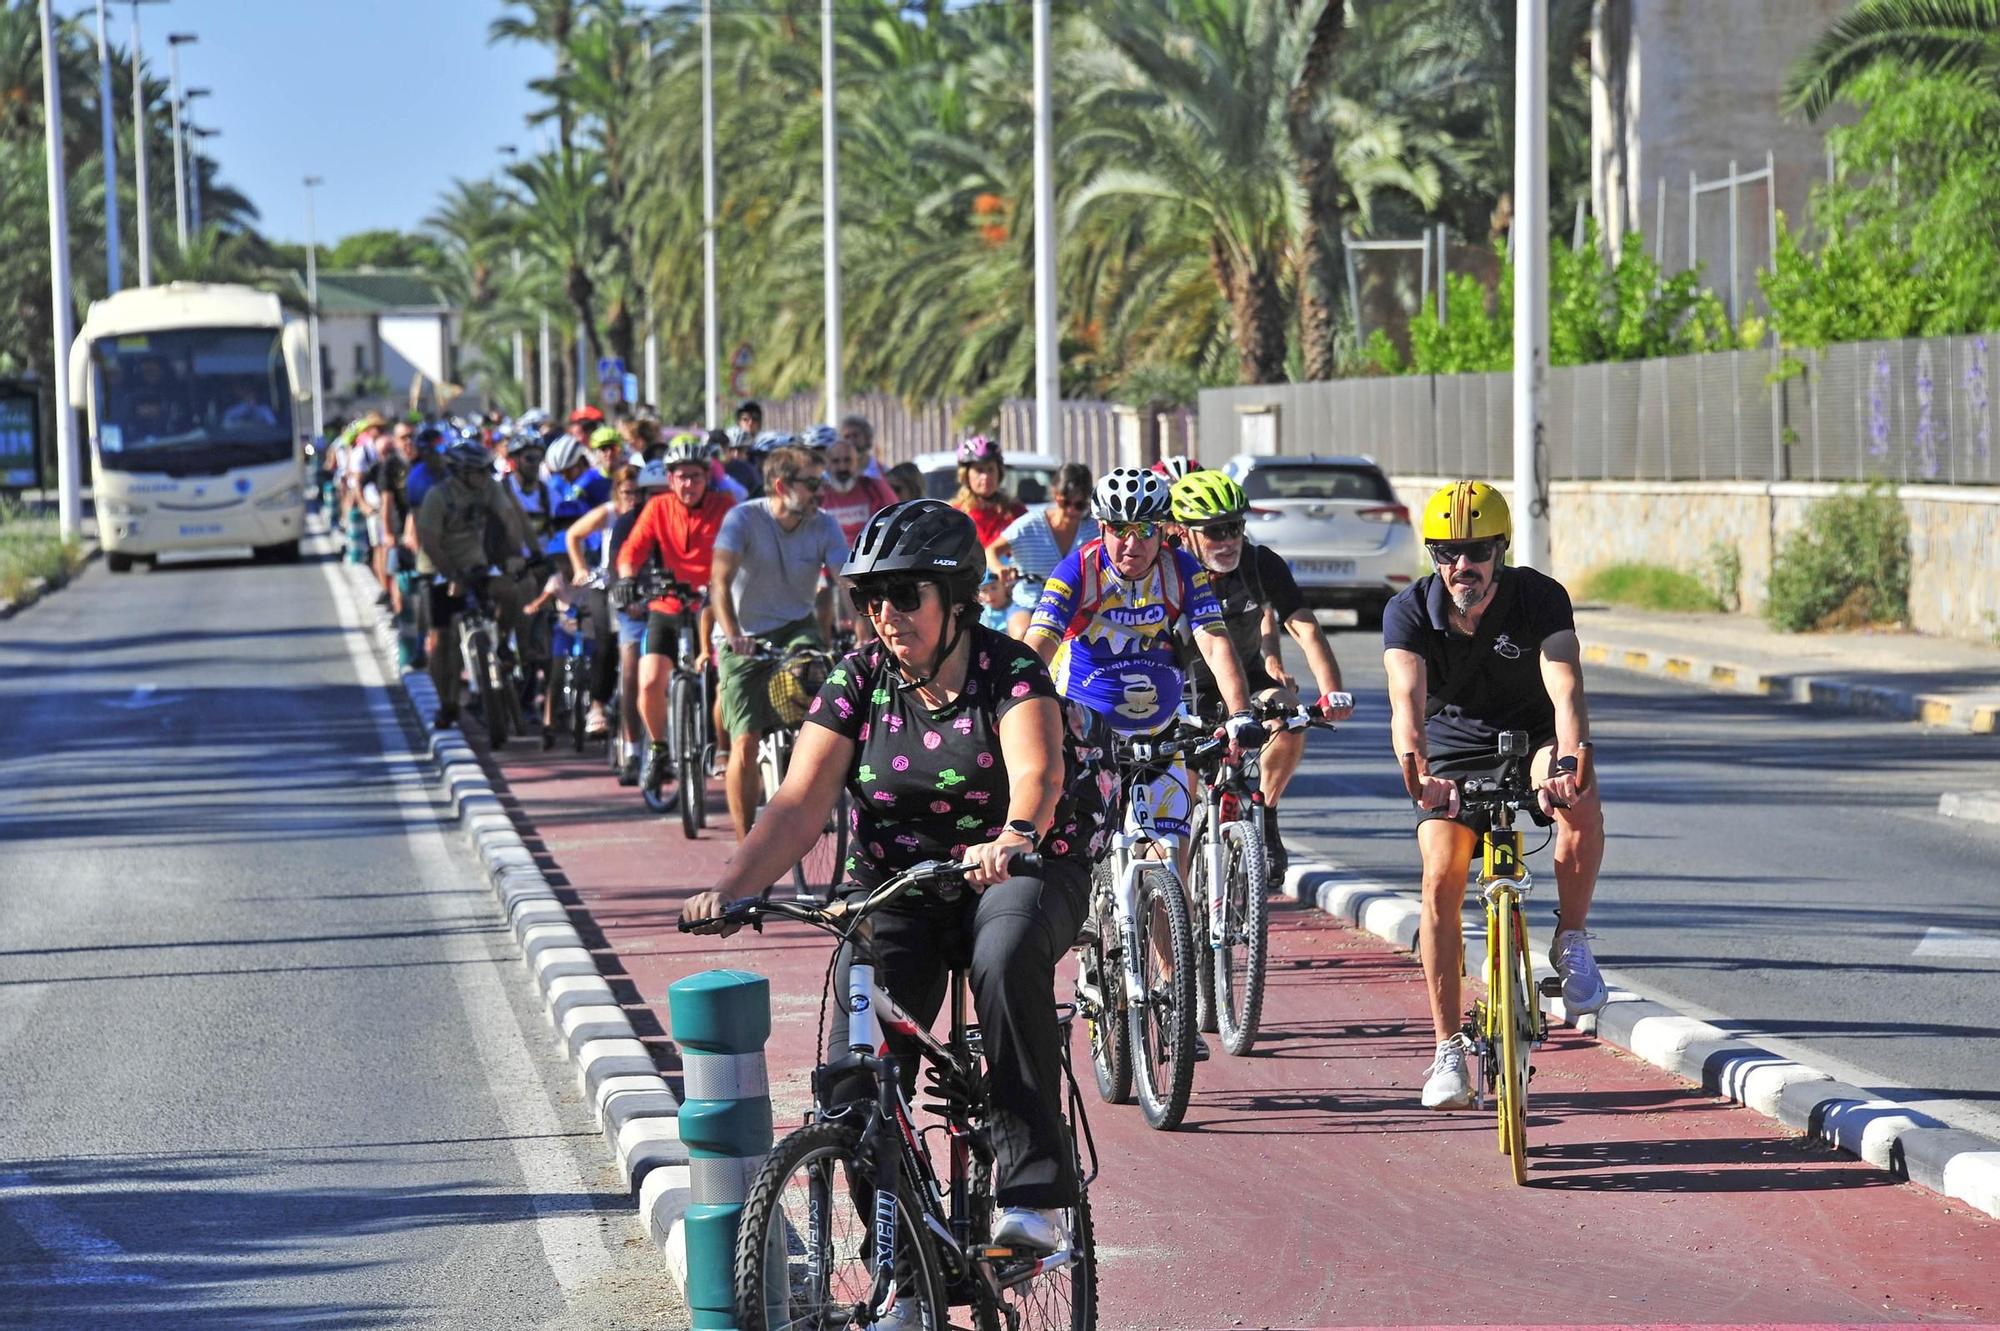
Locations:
(1648, 587)
(1847, 564)
(31, 547)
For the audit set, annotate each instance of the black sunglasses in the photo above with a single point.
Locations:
(811, 483)
(1222, 531)
(905, 594)
(1473, 552)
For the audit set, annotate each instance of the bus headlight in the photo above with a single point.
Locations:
(120, 508)
(289, 497)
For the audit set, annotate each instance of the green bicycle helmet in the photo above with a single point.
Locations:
(1208, 496)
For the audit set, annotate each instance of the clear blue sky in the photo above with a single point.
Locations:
(387, 100)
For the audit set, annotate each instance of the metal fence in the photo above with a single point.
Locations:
(1909, 411)
(1101, 435)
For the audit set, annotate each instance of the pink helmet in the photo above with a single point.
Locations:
(978, 449)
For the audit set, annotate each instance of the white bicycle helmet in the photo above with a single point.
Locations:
(1174, 468)
(563, 454)
(655, 475)
(1126, 494)
(684, 448)
(820, 438)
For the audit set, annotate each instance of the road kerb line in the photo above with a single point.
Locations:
(1885, 1133)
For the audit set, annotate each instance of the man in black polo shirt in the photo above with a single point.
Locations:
(1259, 599)
(1471, 650)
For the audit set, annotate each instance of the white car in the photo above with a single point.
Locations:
(1028, 478)
(1337, 522)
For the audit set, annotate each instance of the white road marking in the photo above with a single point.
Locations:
(82, 1255)
(1959, 943)
(571, 1240)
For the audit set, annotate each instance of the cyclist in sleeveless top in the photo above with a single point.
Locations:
(1106, 625)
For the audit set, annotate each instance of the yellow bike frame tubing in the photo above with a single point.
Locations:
(1509, 1029)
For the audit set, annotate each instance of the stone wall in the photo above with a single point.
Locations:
(1954, 538)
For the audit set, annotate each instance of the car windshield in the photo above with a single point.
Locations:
(1030, 485)
(192, 399)
(1318, 482)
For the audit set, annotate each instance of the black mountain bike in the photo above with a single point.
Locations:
(850, 1216)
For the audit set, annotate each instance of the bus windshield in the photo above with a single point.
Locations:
(192, 400)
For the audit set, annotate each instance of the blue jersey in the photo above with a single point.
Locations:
(569, 501)
(1117, 638)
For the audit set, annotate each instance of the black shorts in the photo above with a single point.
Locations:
(663, 635)
(1458, 764)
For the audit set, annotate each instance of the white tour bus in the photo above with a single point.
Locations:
(193, 390)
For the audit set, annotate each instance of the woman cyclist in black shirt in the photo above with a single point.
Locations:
(949, 738)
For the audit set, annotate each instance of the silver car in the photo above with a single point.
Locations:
(1337, 522)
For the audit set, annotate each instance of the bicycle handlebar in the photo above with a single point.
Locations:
(938, 877)
(1486, 793)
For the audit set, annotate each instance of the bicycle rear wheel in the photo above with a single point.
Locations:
(1512, 1046)
(805, 1239)
(1242, 935)
(819, 873)
(684, 724)
(1205, 928)
(1163, 1025)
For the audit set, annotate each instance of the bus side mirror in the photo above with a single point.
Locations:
(79, 374)
(297, 340)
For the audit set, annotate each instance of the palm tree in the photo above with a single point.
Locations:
(1928, 36)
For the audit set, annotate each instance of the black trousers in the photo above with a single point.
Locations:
(1010, 938)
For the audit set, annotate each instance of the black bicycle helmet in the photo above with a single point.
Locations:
(927, 538)
(468, 459)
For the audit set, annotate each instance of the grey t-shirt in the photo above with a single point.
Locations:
(777, 570)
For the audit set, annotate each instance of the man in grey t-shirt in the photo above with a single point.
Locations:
(769, 556)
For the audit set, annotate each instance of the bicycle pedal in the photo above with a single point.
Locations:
(1551, 986)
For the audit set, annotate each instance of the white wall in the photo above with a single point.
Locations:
(412, 344)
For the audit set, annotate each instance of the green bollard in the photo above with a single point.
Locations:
(720, 1021)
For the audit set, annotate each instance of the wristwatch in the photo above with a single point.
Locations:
(1022, 827)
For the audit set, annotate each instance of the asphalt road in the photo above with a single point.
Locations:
(1772, 869)
(263, 1046)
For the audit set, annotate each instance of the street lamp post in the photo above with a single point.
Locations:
(1530, 542)
(829, 133)
(139, 150)
(69, 508)
(109, 152)
(195, 135)
(1048, 358)
(710, 337)
(312, 314)
(188, 99)
(175, 41)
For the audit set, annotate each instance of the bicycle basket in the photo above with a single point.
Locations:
(795, 681)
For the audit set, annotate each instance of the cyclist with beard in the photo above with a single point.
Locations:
(1471, 650)
(1259, 600)
(769, 556)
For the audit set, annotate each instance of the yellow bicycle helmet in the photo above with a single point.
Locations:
(1207, 496)
(1466, 511)
(605, 436)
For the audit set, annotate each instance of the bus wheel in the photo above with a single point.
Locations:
(117, 563)
(284, 552)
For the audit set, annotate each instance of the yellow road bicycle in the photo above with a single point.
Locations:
(1507, 1024)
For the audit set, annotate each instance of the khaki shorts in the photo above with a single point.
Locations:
(746, 682)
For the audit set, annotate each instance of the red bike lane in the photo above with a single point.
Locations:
(1307, 1187)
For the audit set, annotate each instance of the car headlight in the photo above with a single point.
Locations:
(289, 497)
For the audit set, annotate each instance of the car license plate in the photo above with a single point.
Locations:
(1323, 568)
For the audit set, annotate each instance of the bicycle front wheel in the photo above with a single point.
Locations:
(1507, 1004)
(576, 698)
(1163, 1022)
(1062, 1299)
(684, 723)
(819, 873)
(492, 706)
(1242, 935)
(1099, 966)
(805, 1245)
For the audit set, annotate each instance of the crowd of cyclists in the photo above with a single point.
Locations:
(984, 657)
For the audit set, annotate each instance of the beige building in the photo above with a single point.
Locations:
(1680, 86)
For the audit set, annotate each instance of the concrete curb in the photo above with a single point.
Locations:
(1911, 1145)
(635, 1109)
(1979, 806)
(41, 588)
(1824, 691)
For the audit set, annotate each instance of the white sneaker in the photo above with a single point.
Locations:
(1025, 1227)
(1446, 1083)
(1583, 988)
(907, 1315)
